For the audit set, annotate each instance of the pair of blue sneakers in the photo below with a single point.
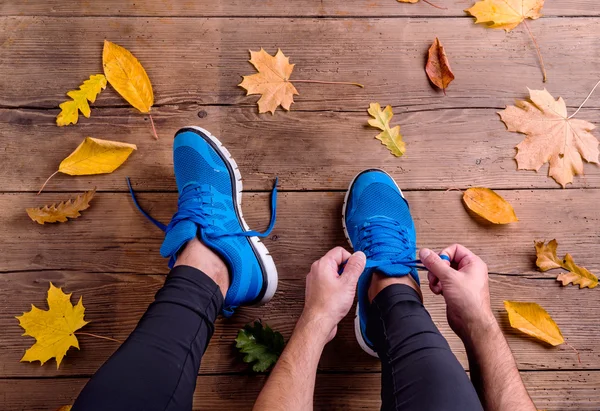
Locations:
(376, 220)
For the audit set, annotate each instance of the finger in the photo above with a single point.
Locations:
(338, 255)
(354, 268)
(434, 284)
(438, 267)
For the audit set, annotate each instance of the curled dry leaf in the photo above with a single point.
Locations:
(94, 156)
(438, 68)
(271, 81)
(488, 204)
(88, 91)
(552, 136)
(54, 329)
(533, 320)
(547, 260)
(390, 136)
(61, 212)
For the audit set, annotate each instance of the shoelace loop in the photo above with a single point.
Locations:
(196, 204)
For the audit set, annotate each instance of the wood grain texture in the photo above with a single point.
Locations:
(552, 391)
(115, 302)
(112, 236)
(449, 148)
(300, 8)
(202, 60)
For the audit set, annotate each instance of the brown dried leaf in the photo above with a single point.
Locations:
(438, 68)
(62, 211)
(547, 259)
(490, 205)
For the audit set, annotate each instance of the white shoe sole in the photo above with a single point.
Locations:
(357, 331)
(260, 249)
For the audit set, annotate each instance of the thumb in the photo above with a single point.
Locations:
(435, 264)
(354, 267)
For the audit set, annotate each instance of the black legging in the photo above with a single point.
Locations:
(156, 368)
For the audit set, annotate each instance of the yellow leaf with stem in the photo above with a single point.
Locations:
(54, 329)
(88, 91)
(390, 136)
(94, 156)
(533, 320)
(62, 211)
(128, 77)
(488, 204)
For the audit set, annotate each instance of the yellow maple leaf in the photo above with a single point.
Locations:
(94, 156)
(552, 136)
(126, 74)
(59, 212)
(533, 320)
(389, 137)
(53, 330)
(488, 204)
(89, 90)
(505, 14)
(271, 81)
(547, 260)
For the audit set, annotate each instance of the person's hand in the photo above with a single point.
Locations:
(465, 289)
(329, 295)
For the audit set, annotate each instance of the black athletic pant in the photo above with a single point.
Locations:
(155, 369)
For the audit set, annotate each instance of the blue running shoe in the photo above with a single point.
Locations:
(209, 207)
(377, 221)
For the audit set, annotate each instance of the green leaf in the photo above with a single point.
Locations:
(261, 345)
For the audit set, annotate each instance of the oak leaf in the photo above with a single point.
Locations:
(533, 320)
(62, 211)
(260, 345)
(438, 67)
(94, 156)
(127, 76)
(271, 81)
(490, 205)
(547, 260)
(390, 136)
(505, 14)
(88, 91)
(54, 329)
(552, 137)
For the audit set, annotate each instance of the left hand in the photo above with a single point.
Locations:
(329, 295)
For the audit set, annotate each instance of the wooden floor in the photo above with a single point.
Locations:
(195, 53)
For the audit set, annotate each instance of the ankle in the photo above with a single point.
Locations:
(379, 282)
(197, 255)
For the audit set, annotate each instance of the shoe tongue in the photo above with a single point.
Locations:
(177, 237)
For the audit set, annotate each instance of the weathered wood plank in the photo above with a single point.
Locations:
(308, 150)
(335, 8)
(112, 236)
(115, 302)
(552, 391)
(202, 60)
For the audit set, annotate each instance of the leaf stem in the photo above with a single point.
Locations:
(46, 182)
(434, 5)
(153, 128)
(98, 336)
(586, 99)
(327, 82)
(574, 349)
(537, 49)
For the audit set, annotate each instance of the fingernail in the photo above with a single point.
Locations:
(424, 253)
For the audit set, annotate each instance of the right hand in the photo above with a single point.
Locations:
(465, 289)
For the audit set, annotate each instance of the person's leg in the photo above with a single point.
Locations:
(156, 367)
(419, 371)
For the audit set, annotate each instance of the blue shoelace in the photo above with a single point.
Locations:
(189, 209)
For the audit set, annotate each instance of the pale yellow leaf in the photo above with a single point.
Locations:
(505, 14)
(271, 81)
(490, 205)
(546, 255)
(552, 137)
(390, 136)
(62, 211)
(577, 275)
(54, 329)
(90, 88)
(534, 321)
(125, 73)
